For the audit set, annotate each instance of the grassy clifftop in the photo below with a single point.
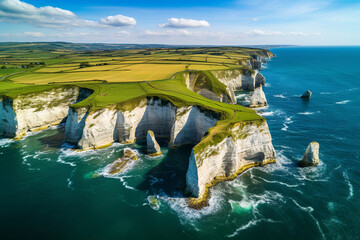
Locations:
(122, 78)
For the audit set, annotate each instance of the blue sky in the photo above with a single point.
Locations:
(227, 22)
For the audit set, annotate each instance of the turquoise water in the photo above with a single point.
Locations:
(48, 192)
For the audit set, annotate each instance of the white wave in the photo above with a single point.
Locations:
(281, 183)
(306, 113)
(314, 174)
(189, 215)
(286, 123)
(325, 93)
(267, 85)
(61, 160)
(250, 224)
(351, 188)
(343, 102)
(265, 114)
(4, 142)
(352, 89)
(309, 210)
(279, 96)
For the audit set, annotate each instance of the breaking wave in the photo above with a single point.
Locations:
(351, 188)
(343, 102)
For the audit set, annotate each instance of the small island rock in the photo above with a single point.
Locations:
(311, 156)
(258, 98)
(153, 147)
(259, 80)
(119, 165)
(306, 94)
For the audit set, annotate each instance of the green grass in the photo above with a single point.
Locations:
(131, 76)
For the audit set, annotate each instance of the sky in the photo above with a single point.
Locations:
(204, 22)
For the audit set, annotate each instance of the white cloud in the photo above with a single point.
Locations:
(34, 34)
(184, 23)
(16, 11)
(118, 21)
(167, 33)
(257, 32)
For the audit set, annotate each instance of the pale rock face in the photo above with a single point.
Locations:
(226, 97)
(236, 80)
(311, 156)
(250, 144)
(152, 145)
(31, 112)
(103, 127)
(258, 98)
(190, 126)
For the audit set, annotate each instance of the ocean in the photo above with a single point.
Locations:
(48, 191)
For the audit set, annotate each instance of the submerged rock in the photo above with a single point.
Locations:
(119, 165)
(258, 98)
(311, 156)
(153, 147)
(307, 94)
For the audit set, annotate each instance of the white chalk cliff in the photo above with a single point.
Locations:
(35, 111)
(243, 145)
(248, 144)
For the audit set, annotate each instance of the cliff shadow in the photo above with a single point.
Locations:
(169, 176)
(158, 117)
(55, 140)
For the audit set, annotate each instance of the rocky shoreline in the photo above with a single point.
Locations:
(244, 144)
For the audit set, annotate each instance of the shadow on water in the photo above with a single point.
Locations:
(169, 176)
(54, 141)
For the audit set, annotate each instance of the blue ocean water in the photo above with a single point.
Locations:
(48, 191)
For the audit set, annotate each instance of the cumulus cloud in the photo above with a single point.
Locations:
(16, 11)
(184, 23)
(118, 21)
(257, 32)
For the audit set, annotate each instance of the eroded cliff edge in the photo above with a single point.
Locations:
(228, 138)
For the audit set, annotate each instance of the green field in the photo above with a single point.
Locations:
(121, 78)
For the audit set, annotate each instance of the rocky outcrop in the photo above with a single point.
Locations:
(120, 164)
(248, 144)
(203, 85)
(306, 95)
(311, 156)
(237, 79)
(153, 148)
(258, 98)
(259, 80)
(36, 111)
(94, 129)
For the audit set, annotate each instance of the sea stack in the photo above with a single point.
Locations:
(259, 80)
(306, 95)
(258, 98)
(311, 156)
(153, 147)
(120, 164)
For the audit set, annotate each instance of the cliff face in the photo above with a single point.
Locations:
(102, 127)
(204, 85)
(248, 144)
(35, 111)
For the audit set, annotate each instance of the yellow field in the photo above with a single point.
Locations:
(126, 65)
